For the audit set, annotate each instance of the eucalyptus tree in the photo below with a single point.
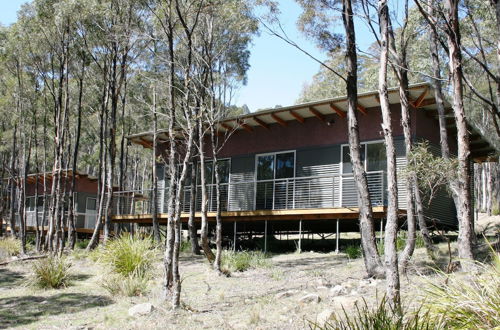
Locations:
(318, 22)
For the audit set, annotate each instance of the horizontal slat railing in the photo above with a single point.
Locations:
(326, 191)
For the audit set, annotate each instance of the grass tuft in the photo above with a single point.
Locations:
(128, 286)
(10, 246)
(242, 260)
(467, 301)
(51, 273)
(353, 251)
(127, 255)
(380, 317)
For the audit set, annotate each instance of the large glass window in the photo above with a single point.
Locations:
(346, 158)
(91, 204)
(265, 167)
(375, 154)
(372, 155)
(224, 169)
(285, 165)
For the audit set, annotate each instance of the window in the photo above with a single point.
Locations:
(224, 166)
(91, 204)
(276, 166)
(375, 154)
(346, 158)
(372, 155)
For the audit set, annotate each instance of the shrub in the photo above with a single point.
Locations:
(51, 273)
(129, 286)
(241, 261)
(381, 317)
(467, 301)
(185, 246)
(353, 251)
(127, 255)
(495, 210)
(10, 246)
(82, 243)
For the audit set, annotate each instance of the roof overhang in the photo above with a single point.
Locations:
(421, 97)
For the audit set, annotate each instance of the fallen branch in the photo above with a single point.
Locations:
(23, 259)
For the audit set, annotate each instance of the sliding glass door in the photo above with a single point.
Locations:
(273, 188)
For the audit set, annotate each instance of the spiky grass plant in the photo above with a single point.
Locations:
(50, 273)
(127, 255)
(353, 251)
(380, 317)
(467, 301)
(242, 260)
(128, 286)
(10, 246)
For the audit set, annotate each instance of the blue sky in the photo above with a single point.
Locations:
(278, 71)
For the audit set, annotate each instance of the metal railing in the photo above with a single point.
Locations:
(324, 191)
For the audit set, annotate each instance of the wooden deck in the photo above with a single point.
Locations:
(260, 215)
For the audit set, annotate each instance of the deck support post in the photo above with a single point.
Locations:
(337, 237)
(265, 236)
(300, 236)
(234, 237)
(381, 230)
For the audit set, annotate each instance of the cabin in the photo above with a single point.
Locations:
(288, 169)
(38, 188)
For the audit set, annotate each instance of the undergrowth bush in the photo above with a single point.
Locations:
(130, 260)
(82, 243)
(380, 317)
(127, 255)
(240, 261)
(50, 273)
(467, 301)
(10, 246)
(119, 285)
(353, 251)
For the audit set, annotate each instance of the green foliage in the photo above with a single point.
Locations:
(240, 261)
(432, 172)
(467, 301)
(495, 210)
(353, 251)
(50, 273)
(82, 243)
(128, 286)
(185, 246)
(127, 255)
(10, 246)
(381, 317)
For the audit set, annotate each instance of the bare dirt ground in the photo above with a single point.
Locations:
(266, 298)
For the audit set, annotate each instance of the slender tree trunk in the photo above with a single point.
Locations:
(13, 184)
(205, 244)
(466, 230)
(154, 206)
(193, 236)
(218, 216)
(391, 228)
(370, 254)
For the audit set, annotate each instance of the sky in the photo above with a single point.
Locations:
(277, 71)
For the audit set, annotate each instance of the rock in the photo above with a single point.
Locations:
(141, 309)
(310, 298)
(325, 316)
(321, 282)
(354, 293)
(338, 290)
(319, 288)
(363, 283)
(346, 302)
(284, 294)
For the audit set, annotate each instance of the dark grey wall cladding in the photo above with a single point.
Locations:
(81, 198)
(160, 171)
(442, 209)
(318, 161)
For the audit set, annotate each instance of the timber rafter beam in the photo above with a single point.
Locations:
(337, 110)
(299, 118)
(279, 120)
(261, 122)
(317, 114)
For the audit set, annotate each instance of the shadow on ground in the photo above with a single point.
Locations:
(19, 311)
(9, 278)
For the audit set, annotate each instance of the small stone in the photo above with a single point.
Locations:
(319, 288)
(284, 294)
(141, 309)
(338, 290)
(310, 298)
(354, 293)
(325, 316)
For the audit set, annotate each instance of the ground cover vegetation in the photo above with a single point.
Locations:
(118, 67)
